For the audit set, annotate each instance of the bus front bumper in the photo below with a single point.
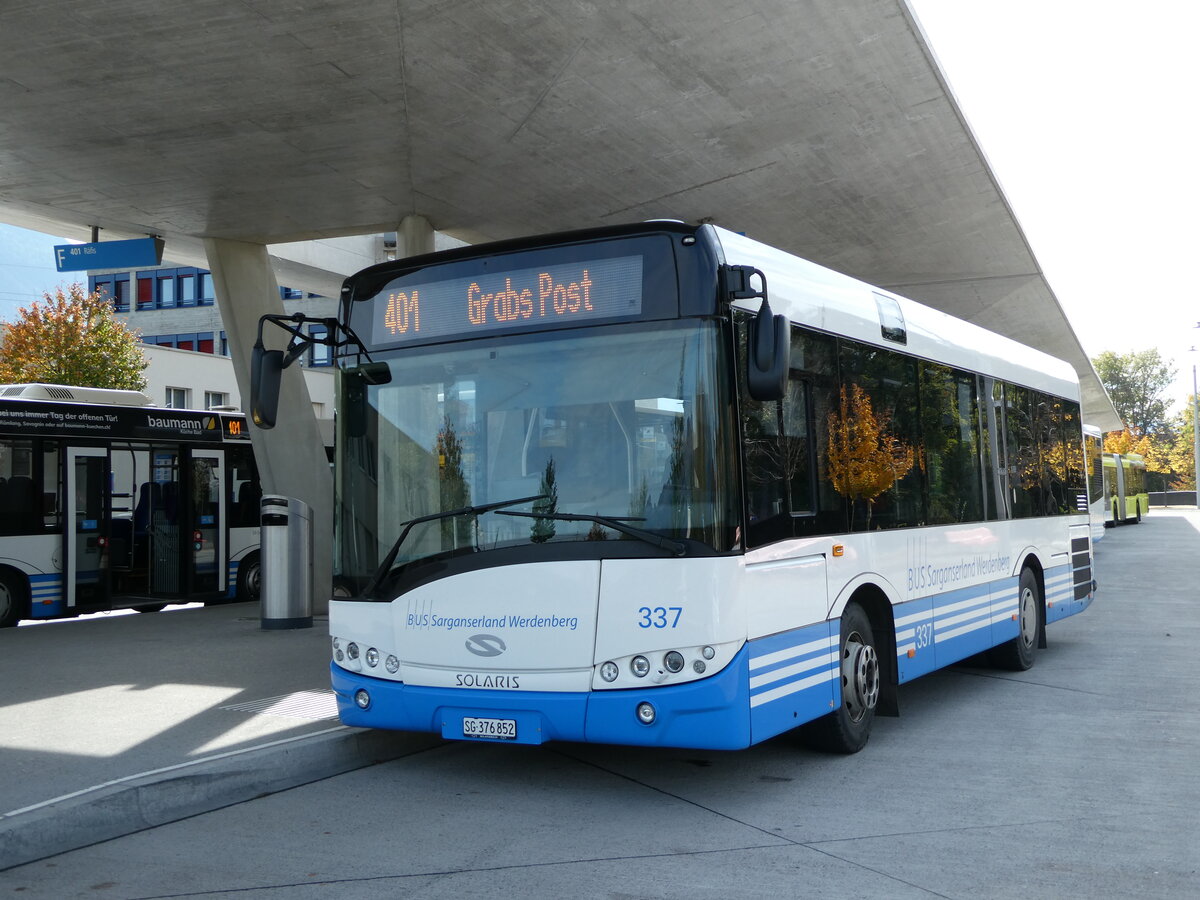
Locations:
(713, 713)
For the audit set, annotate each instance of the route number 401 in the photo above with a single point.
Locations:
(659, 617)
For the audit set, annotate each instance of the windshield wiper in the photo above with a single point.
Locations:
(675, 547)
(386, 565)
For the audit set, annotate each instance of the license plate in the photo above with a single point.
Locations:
(491, 729)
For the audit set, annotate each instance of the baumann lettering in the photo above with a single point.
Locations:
(186, 426)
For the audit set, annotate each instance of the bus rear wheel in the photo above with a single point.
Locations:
(14, 599)
(1017, 655)
(249, 579)
(847, 729)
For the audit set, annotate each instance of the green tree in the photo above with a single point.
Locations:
(71, 338)
(1183, 449)
(1137, 383)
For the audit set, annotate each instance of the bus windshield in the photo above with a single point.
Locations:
(613, 426)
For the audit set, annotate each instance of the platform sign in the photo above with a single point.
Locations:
(108, 254)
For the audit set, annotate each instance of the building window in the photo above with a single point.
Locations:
(319, 354)
(204, 289)
(213, 399)
(121, 294)
(224, 344)
(166, 292)
(204, 342)
(187, 290)
(177, 398)
(288, 293)
(145, 293)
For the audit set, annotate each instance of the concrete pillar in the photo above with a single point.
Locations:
(414, 236)
(291, 456)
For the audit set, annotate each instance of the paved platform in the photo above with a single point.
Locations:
(117, 724)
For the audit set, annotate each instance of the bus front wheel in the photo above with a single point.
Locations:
(14, 598)
(847, 729)
(1017, 655)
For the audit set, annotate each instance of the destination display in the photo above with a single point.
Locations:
(545, 296)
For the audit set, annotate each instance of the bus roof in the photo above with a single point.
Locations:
(839, 304)
(74, 394)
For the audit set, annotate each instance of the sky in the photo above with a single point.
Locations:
(27, 268)
(1086, 111)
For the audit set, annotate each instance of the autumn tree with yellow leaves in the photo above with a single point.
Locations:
(865, 458)
(72, 338)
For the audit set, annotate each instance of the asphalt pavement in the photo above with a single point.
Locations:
(1078, 778)
(115, 723)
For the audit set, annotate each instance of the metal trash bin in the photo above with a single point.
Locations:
(287, 563)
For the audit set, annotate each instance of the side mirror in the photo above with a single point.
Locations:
(266, 370)
(768, 356)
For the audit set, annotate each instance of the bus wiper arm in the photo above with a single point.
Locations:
(386, 565)
(675, 547)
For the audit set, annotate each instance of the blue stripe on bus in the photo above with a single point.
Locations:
(793, 678)
(231, 581)
(935, 631)
(46, 596)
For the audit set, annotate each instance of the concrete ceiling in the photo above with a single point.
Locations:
(822, 128)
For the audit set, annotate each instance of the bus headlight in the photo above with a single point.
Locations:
(352, 650)
(609, 671)
(392, 664)
(372, 657)
(639, 666)
(673, 661)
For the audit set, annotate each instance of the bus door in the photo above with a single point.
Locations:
(160, 518)
(86, 525)
(207, 554)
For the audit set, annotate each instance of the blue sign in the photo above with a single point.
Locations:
(108, 254)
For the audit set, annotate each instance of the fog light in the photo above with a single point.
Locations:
(352, 650)
(362, 699)
(673, 661)
(639, 666)
(708, 652)
(339, 655)
(698, 667)
(609, 671)
(392, 665)
(646, 714)
(372, 657)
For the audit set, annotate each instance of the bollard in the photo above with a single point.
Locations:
(287, 576)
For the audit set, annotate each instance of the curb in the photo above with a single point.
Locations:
(137, 802)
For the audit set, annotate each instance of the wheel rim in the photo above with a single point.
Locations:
(254, 581)
(6, 601)
(860, 677)
(1028, 617)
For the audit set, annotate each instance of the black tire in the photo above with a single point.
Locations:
(1137, 520)
(157, 607)
(848, 728)
(1017, 655)
(249, 579)
(14, 599)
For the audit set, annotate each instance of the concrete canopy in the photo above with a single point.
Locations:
(825, 129)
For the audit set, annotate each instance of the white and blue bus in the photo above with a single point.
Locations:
(107, 502)
(592, 487)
